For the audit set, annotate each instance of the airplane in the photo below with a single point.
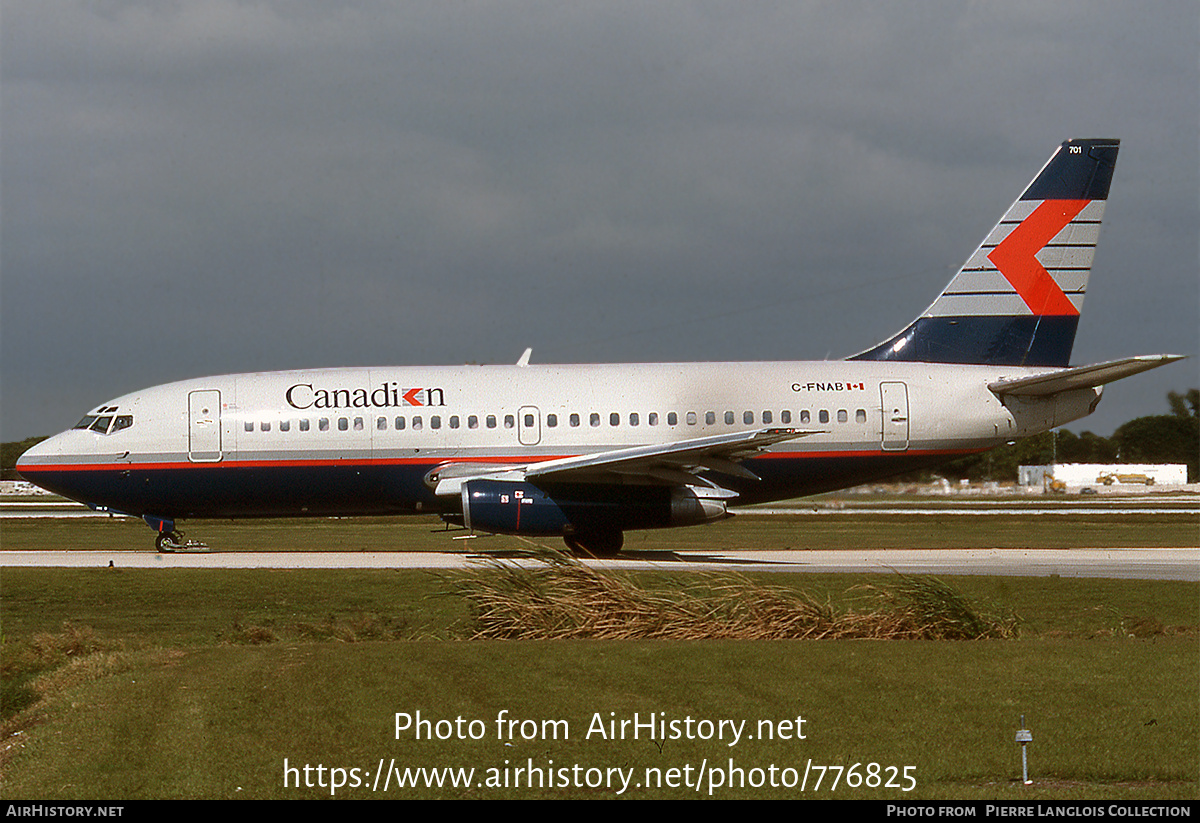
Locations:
(587, 452)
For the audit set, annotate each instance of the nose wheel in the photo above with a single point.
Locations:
(170, 541)
(168, 538)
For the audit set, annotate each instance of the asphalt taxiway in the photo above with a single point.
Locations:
(1134, 563)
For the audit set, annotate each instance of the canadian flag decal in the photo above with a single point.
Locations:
(1015, 257)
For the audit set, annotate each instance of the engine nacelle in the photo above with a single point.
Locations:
(515, 507)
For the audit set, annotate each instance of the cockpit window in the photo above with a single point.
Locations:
(101, 423)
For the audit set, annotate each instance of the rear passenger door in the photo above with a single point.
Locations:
(894, 400)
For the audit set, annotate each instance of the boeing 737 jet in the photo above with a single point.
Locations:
(587, 452)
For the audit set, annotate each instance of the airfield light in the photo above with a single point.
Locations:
(1024, 737)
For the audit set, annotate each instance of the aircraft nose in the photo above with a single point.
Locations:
(36, 454)
(41, 464)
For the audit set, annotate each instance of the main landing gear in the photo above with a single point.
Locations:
(605, 543)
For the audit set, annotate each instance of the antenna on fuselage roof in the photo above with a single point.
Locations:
(524, 361)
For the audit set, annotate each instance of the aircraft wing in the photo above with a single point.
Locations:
(679, 462)
(718, 453)
(1080, 377)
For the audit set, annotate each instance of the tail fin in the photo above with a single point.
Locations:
(1016, 300)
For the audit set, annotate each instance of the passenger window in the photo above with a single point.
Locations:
(804, 417)
(842, 416)
(672, 419)
(614, 419)
(860, 416)
(454, 421)
(323, 424)
(416, 422)
(729, 418)
(435, 421)
(766, 417)
(710, 418)
(265, 426)
(652, 418)
(633, 418)
(358, 424)
(785, 417)
(509, 421)
(574, 418)
(304, 424)
(552, 420)
(491, 421)
(472, 422)
(399, 424)
(823, 416)
(594, 419)
(286, 425)
(249, 425)
(691, 418)
(748, 417)
(528, 421)
(381, 424)
(343, 424)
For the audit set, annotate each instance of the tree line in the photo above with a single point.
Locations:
(1162, 438)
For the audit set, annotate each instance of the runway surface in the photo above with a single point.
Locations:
(1145, 564)
(1139, 563)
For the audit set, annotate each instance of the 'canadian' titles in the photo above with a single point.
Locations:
(386, 395)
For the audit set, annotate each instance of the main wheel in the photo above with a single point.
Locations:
(595, 543)
(167, 541)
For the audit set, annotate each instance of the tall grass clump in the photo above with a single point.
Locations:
(925, 607)
(550, 594)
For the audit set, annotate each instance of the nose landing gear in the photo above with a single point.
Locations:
(168, 538)
(173, 541)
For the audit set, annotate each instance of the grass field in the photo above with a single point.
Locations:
(862, 530)
(123, 683)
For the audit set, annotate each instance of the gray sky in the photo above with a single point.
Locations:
(210, 186)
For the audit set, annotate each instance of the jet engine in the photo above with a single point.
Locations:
(517, 507)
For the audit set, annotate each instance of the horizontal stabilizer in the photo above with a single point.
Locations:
(1081, 377)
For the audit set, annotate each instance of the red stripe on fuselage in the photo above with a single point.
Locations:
(401, 461)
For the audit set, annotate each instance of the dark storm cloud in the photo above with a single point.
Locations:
(200, 187)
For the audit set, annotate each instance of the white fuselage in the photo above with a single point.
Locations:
(868, 420)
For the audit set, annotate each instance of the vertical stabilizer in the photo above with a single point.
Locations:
(1016, 301)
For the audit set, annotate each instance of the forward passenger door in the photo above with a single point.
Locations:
(204, 426)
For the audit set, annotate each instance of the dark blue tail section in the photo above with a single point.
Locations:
(1016, 301)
